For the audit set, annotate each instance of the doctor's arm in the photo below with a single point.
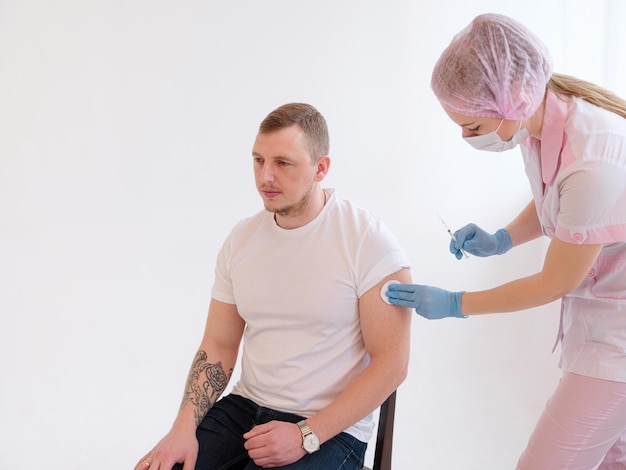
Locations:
(386, 332)
(525, 227)
(212, 365)
(565, 267)
(474, 240)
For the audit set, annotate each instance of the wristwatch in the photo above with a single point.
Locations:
(310, 441)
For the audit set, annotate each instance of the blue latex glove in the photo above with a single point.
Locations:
(475, 241)
(430, 302)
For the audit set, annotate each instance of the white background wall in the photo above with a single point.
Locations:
(125, 137)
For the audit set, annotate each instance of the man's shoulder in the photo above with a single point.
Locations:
(248, 226)
(352, 212)
(251, 220)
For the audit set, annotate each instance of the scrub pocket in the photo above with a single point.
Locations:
(608, 278)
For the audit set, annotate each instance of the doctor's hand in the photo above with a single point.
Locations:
(429, 302)
(475, 241)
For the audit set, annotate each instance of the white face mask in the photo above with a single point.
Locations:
(493, 143)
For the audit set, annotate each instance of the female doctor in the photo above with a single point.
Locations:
(495, 81)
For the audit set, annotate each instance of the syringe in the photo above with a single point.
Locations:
(452, 235)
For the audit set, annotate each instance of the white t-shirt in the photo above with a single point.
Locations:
(298, 292)
(581, 162)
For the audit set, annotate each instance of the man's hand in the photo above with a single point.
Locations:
(176, 447)
(274, 444)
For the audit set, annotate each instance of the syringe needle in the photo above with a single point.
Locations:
(452, 235)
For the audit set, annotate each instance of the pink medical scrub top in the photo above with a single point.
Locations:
(577, 175)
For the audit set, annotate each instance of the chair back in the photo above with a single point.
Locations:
(384, 436)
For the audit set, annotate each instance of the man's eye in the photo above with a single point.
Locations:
(281, 163)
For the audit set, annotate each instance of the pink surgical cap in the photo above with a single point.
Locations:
(495, 67)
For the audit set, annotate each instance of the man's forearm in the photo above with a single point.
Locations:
(362, 396)
(205, 384)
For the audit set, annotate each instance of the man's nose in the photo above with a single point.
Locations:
(266, 172)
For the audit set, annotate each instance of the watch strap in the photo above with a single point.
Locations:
(304, 428)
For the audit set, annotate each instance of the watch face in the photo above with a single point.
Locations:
(311, 443)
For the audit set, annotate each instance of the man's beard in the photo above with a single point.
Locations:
(295, 208)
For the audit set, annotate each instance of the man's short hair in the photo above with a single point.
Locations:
(307, 118)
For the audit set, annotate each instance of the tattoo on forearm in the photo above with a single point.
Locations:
(204, 385)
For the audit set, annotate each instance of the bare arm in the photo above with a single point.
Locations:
(214, 362)
(208, 376)
(386, 331)
(564, 268)
(525, 227)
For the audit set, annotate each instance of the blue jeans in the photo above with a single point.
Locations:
(220, 439)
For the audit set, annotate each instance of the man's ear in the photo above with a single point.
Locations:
(322, 164)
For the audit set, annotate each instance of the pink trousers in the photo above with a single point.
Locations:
(583, 427)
